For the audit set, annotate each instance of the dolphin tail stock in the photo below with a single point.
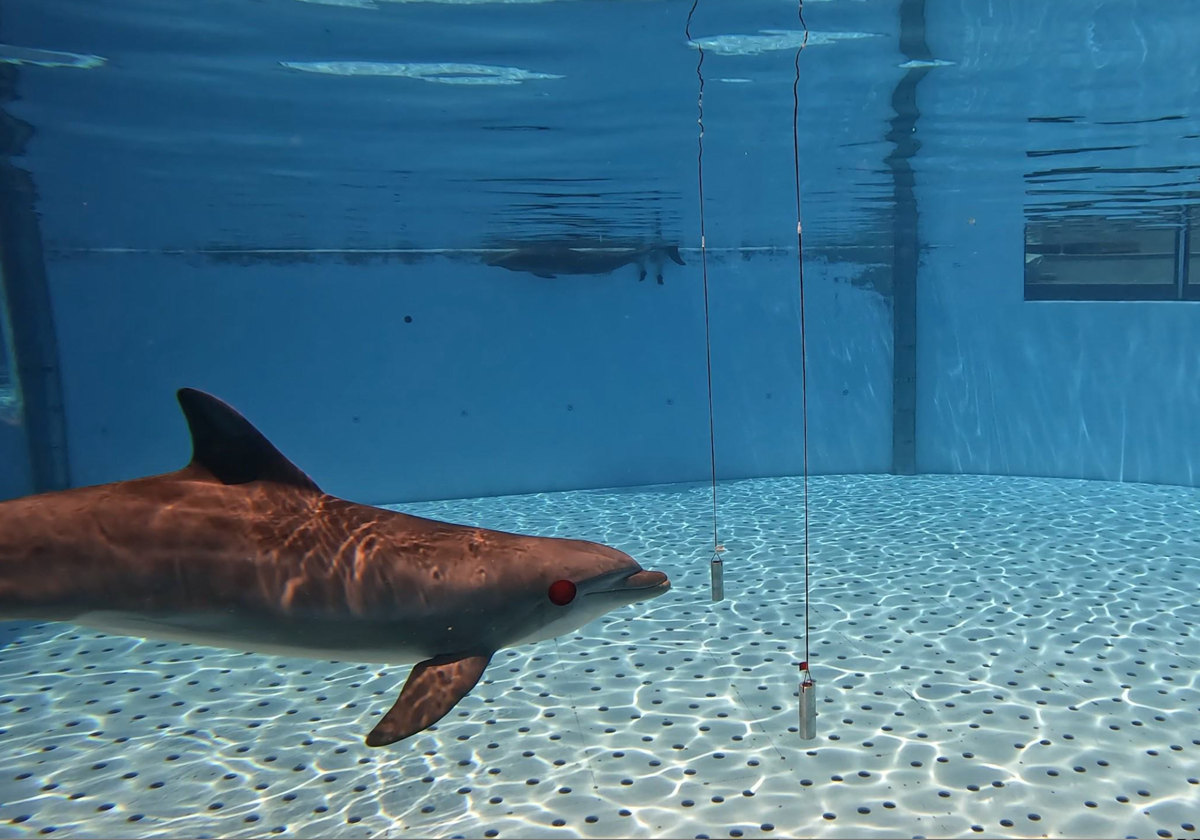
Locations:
(432, 689)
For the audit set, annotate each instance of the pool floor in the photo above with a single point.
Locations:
(1004, 657)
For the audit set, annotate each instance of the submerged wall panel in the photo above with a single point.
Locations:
(449, 378)
(32, 370)
(1103, 390)
(15, 478)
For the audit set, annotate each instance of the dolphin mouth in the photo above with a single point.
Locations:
(643, 579)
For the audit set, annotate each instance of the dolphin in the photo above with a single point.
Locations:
(242, 550)
(550, 260)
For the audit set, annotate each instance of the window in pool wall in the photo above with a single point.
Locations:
(1101, 258)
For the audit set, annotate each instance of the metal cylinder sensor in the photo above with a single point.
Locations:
(808, 709)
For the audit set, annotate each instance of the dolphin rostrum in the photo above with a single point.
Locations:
(240, 549)
(550, 260)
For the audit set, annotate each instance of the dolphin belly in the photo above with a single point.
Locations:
(344, 641)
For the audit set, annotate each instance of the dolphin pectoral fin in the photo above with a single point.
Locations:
(432, 689)
(545, 276)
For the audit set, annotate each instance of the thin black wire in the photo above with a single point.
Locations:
(712, 442)
(803, 331)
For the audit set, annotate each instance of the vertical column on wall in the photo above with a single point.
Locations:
(1183, 248)
(906, 250)
(26, 294)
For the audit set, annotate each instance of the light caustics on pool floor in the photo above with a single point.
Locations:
(1010, 657)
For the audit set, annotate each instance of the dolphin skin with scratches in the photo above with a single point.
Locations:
(241, 550)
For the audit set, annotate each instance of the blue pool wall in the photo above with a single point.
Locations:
(504, 383)
(500, 383)
(1095, 390)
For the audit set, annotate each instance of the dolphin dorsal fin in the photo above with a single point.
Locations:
(226, 444)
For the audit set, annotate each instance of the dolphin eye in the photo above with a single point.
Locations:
(562, 592)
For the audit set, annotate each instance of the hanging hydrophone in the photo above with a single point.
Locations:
(807, 693)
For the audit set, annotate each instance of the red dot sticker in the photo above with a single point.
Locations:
(562, 592)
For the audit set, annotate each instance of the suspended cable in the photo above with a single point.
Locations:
(808, 697)
(716, 566)
(807, 692)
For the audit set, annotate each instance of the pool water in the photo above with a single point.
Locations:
(995, 656)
